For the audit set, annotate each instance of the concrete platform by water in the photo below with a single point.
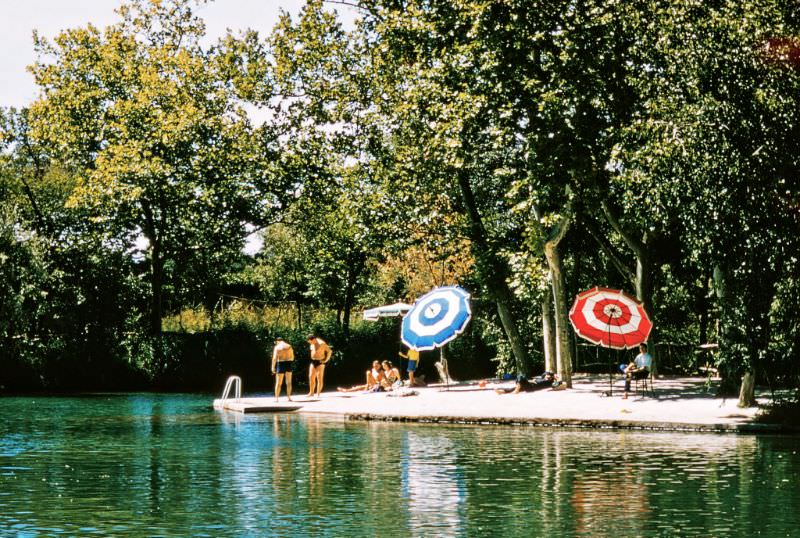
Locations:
(678, 404)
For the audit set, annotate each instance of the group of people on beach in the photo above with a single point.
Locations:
(283, 357)
(383, 376)
(637, 369)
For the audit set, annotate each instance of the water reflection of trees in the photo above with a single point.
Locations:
(145, 465)
(596, 483)
(516, 481)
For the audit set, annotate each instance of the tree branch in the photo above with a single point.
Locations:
(560, 231)
(356, 5)
(634, 244)
(609, 250)
(43, 223)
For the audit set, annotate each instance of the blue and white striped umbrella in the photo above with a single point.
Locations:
(436, 318)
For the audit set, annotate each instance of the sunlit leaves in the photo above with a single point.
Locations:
(154, 124)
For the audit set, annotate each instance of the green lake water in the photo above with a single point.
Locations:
(168, 465)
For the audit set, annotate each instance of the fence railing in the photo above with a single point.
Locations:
(672, 358)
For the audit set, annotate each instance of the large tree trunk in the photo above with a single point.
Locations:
(157, 287)
(644, 291)
(548, 332)
(348, 305)
(563, 349)
(643, 277)
(504, 299)
(552, 254)
(156, 270)
(703, 310)
(493, 272)
(747, 391)
(726, 368)
(758, 300)
(354, 270)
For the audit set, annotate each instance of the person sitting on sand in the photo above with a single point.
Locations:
(374, 378)
(523, 385)
(391, 376)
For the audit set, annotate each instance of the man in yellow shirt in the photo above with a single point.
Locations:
(320, 354)
(282, 359)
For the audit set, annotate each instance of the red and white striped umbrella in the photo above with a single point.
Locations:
(610, 318)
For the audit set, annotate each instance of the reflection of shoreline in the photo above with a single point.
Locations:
(631, 480)
(433, 485)
(676, 444)
(603, 501)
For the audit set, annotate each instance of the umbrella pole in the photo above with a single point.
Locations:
(611, 369)
(443, 360)
(399, 357)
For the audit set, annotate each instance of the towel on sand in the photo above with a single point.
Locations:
(399, 393)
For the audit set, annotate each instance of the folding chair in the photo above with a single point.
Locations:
(645, 384)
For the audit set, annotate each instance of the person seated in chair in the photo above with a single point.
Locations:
(638, 369)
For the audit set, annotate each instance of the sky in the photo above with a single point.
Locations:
(19, 18)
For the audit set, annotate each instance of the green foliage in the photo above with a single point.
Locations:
(714, 156)
(160, 143)
(430, 142)
(23, 274)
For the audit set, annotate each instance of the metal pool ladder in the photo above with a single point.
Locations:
(234, 382)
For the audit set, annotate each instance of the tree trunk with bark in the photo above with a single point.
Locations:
(156, 270)
(563, 349)
(548, 332)
(721, 288)
(42, 223)
(564, 358)
(494, 273)
(299, 315)
(643, 277)
(747, 391)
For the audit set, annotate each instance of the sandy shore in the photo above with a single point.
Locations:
(678, 404)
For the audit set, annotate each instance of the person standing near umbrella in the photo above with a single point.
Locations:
(320, 354)
(638, 369)
(436, 318)
(412, 356)
(282, 359)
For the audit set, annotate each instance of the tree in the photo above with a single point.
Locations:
(69, 296)
(154, 127)
(717, 151)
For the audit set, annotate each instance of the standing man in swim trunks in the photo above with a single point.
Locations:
(320, 354)
(282, 359)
